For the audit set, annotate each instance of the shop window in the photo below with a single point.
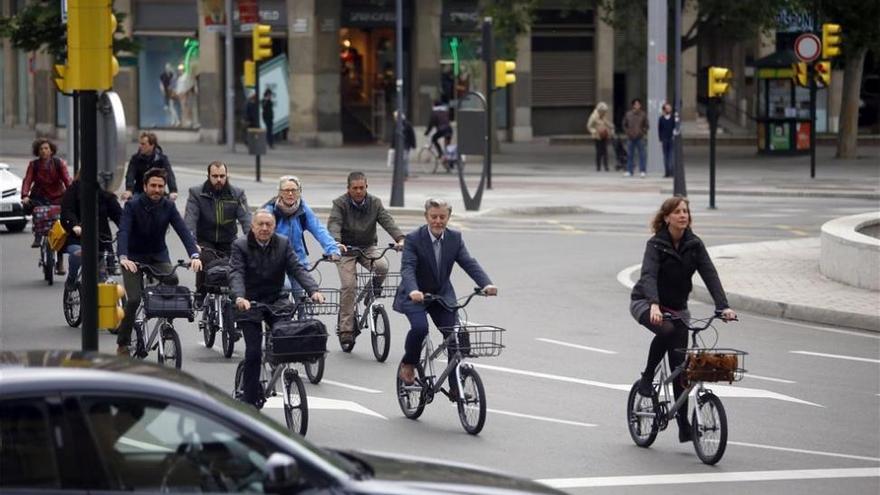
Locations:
(167, 82)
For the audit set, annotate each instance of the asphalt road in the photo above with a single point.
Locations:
(804, 420)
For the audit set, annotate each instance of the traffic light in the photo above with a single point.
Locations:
(823, 73)
(719, 81)
(90, 61)
(110, 312)
(250, 73)
(60, 78)
(262, 44)
(799, 74)
(504, 73)
(830, 41)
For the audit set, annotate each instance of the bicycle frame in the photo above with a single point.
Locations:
(454, 363)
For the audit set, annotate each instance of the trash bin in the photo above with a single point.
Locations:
(256, 141)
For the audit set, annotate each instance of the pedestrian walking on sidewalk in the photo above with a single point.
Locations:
(44, 184)
(149, 155)
(601, 129)
(635, 124)
(671, 257)
(666, 133)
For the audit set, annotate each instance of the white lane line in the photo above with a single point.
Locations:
(352, 387)
(767, 378)
(326, 404)
(576, 346)
(720, 390)
(852, 333)
(837, 356)
(691, 478)
(541, 418)
(804, 451)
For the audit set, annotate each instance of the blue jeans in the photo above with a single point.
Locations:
(667, 157)
(635, 144)
(75, 252)
(418, 322)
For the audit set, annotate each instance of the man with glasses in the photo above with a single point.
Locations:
(212, 209)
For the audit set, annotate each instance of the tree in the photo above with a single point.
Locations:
(510, 18)
(38, 27)
(858, 21)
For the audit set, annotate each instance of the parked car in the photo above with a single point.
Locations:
(11, 212)
(77, 422)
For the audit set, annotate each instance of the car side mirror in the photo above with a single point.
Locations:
(281, 473)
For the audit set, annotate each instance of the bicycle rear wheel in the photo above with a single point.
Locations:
(381, 334)
(70, 302)
(228, 334)
(472, 403)
(411, 398)
(48, 257)
(296, 406)
(710, 429)
(315, 370)
(172, 353)
(641, 417)
(208, 324)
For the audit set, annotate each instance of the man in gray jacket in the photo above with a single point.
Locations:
(635, 124)
(211, 212)
(352, 222)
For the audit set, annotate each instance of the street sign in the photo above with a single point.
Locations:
(112, 138)
(807, 47)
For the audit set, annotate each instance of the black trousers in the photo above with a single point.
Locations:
(668, 336)
(601, 153)
(250, 324)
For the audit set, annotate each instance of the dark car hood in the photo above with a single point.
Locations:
(413, 475)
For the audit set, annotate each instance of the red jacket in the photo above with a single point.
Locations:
(46, 180)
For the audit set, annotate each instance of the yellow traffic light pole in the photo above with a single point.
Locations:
(718, 84)
(261, 49)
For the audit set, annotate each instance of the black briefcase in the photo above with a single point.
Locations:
(296, 341)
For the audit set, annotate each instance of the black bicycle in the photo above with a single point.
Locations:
(71, 299)
(42, 218)
(217, 305)
(646, 416)
(306, 308)
(463, 341)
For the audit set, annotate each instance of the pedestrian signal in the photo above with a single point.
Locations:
(110, 312)
(504, 73)
(719, 81)
(823, 73)
(830, 41)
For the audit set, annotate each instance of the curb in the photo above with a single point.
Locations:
(782, 194)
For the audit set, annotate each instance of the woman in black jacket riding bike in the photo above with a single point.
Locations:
(672, 256)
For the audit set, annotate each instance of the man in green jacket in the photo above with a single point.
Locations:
(352, 222)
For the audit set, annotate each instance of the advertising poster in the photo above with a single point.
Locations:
(803, 135)
(214, 12)
(780, 140)
(273, 76)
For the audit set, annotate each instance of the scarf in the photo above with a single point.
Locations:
(286, 210)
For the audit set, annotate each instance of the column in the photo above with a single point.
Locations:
(603, 51)
(126, 81)
(42, 102)
(522, 90)
(10, 74)
(688, 69)
(426, 76)
(211, 103)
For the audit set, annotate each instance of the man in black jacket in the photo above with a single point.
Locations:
(141, 239)
(212, 209)
(149, 156)
(260, 262)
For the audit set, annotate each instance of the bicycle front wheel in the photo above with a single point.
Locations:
(427, 162)
(172, 354)
(315, 370)
(70, 302)
(381, 334)
(296, 406)
(48, 262)
(411, 398)
(641, 417)
(709, 428)
(472, 401)
(137, 348)
(208, 325)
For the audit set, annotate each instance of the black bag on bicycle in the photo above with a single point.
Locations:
(217, 276)
(296, 340)
(168, 301)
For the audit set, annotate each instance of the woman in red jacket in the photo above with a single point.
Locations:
(44, 184)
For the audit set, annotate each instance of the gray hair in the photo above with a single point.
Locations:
(289, 178)
(437, 203)
(262, 211)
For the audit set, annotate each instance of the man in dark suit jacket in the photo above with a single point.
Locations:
(422, 273)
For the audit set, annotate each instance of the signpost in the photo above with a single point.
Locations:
(807, 47)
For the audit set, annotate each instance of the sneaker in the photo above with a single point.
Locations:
(627, 174)
(122, 350)
(59, 269)
(37, 240)
(642, 175)
(407, 373)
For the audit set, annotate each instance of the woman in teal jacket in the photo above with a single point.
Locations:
(293, 218)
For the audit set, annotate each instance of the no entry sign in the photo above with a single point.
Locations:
(807, 47)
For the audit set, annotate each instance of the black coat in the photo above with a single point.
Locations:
(258, 273)
(138, 165)
(108, 209)
(667, 272)
(142, 231)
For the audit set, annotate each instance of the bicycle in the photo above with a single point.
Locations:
(646, 416)
(72, 295)
(373, 315)
(163, 303)
(429, 159)
(307, 308)
(464, 340)
(217, 305)
(43, 217)
(279, 351)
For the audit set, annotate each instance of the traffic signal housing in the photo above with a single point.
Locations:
(799, 74)
(504, 73)
(250, 73)
(719, 81)
(823, 73)
(110, 312)
(262, 43)
(830, 41)
(90, 65)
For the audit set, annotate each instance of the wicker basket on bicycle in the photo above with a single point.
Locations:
(330, 306)
(714, 365)
(477, 340)
(292, 341)
(43, 217)
(387, 288)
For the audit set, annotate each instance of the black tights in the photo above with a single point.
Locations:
(668, 336)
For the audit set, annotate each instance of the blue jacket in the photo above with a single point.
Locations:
(292, 228)
(141, 235)
(419, 270)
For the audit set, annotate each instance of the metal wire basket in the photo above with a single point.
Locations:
(714, 365)
(330, 306)
(387, 288)
(477, 340)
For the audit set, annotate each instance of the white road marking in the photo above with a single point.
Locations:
(576, 346)
(352, 387)
(541, 418)
(767, 378)
(837, 356)
(625, 276)
(720, 390)
(804, 451)
(852, 333)
(327, 404)
(691, 478)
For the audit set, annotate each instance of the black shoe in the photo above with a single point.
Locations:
(685, 433)
(646, 386)
(37, 240)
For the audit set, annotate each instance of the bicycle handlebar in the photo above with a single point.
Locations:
(429, 298)
(697, 329)
(392, 246)
(156, 274)
(325, 258)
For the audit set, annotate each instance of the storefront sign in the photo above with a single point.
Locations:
(214, 13)
(300, 25)
(248, 12)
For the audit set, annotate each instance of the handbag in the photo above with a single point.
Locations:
(168, 301)
(296, 341)
(57, 236)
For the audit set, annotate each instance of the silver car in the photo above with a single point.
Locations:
(11, 212)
